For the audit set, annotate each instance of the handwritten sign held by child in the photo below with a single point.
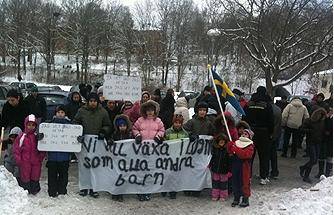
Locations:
(60, 137)
(121, 87)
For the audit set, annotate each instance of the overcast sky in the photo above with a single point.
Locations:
(131, 3)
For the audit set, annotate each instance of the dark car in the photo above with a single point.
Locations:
(23, 87)
(3, 95)
(53, 99)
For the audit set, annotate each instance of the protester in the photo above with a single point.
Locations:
(292, 118)
(209, 99)
(74, 104)
(173, 133)
(148, 127)
(134, 112)
(122, 131)
(167, 108)
(8, 159)
(113, 109)
(240, 96)
(181, 108)
(221, 128)
(14, 110)
(200, 124)
(315, 130)
(219, 166)
(36, 104)
(27, 157)
(157, 96)
(242, 152)
(259, 115)
(58, 162)
(95, 121)
(318, 102)
(241, 126)
(282, 103)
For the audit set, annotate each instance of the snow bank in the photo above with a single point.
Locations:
(13, 199)
(316, 200)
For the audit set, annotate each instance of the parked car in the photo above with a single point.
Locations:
(48, 88)
(23, 87)
(3, 95)
(53, 99)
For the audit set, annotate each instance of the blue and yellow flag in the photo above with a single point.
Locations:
(224, 91)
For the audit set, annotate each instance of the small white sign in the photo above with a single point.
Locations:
(60, 137)
(125, 88)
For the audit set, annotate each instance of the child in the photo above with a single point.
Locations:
(241, 126)
(122, 126)
(200, 124)
(219, 165)
(148, 127)
(314, 128)
(58, 162)
(242, 151)
(27, 157)
(175, 132)
(9, 161)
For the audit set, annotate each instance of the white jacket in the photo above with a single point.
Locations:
(294, 114)
(182, 109)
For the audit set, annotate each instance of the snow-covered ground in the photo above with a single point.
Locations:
(276, 198)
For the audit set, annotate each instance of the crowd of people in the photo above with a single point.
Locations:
(265, 128)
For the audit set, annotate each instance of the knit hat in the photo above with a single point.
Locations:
(13, 93)
(15, 131)
(93, 96)
(61, 107)
(202, 105)
(147, 93)
(120, 121)
(250, 133)
(178, 118)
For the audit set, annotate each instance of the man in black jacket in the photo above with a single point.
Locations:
(259, 115)
(36, 104)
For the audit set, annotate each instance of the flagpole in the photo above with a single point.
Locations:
(220, 105)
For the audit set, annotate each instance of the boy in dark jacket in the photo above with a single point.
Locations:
(58, 162)
(122, 128)
(219, 165)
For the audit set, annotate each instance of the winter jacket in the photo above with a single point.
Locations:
(220, 127)
(210, 100)
(72, 107)
(14, 116)
(294, 114)
(281, 104)
(148, 128)
(118, 135)
(219, 162)
(182, 109)
(112, 113)
(36, 106)
(242, 151)
(59, 156)
(277, 121)
(134, 112)
(199, 126)
(167, 110)
(173, 134)
(259, 113)
(314, 127)
(94, 121)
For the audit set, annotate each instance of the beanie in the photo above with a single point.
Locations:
(261, 90)
(202, 105)
(178, 118)
(15, 131)
(13, 93)
(120, 121)
(93, 96)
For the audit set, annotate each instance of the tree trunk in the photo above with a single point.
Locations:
(269, 84)
(18, 59)
(128, 65)
(78, 67)
(24, 61)
(106, 63)
(114, 69)
(166, 74)
(35, 62)
(178, 82)
(30, 56)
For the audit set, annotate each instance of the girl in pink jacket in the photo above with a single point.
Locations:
(148, 127)
(27, 157)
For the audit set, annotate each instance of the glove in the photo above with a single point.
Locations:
(110, 141)
(80, 139)
(158, 140)
(193, 137)
(138, 139)
(40, 136)
(100, 136)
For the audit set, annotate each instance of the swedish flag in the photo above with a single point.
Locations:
(224, 91)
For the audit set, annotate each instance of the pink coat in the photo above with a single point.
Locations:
(148, 128)
(27, 157)
(134, 112)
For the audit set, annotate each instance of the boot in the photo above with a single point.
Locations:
(83, 192)
(302, 171)
(321, 164)
(244, 203)
(329, 167)
(236, 201)
(34, 187)
(306, 175)
(93, 194)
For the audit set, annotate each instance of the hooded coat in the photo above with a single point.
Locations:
(294, 114)
(149, 128)
(167, 110)
(315, 127)
(72, 107)
(118, 135)
(27, 157)
(14, 116)
(182, 109)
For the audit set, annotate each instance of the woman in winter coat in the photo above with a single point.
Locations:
(314, 128)
(167, 108)
(292, 119)
(27, 157)
(134, 112)
(74, 104)
(182, 109)
(148, 127)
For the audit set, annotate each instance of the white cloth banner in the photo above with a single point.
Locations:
(129, 168)
(125, 88)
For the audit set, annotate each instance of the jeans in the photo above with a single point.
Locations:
(295, 140)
